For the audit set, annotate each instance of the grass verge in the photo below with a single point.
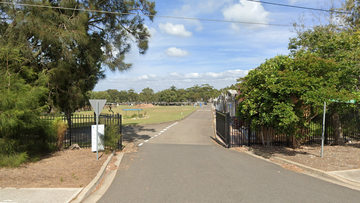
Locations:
(157, 114)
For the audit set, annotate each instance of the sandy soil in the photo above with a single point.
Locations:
(145, 105)
(63, 169)
(335, 157)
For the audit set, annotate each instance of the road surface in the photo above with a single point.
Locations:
(184, 164)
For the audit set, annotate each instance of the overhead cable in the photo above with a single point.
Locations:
(158, 16)
(300, 7)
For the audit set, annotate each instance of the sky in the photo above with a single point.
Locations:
(184, 53)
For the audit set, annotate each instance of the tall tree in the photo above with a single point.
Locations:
(73, 45)
(340, 46)
(132, 95)
(114, 95)
(286, 92)
(22, 98)
(147, 94)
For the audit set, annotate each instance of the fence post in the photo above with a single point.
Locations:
(249, 132)
(120, 130)
(227, 129)
(70, 129)
(94, 118)
(326, 130)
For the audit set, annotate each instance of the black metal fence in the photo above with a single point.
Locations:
(238, 132)
(79, 131)
(223, 126)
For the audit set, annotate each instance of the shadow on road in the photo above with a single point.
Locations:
(135, 133)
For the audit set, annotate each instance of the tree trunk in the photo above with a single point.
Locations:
(336, 124)
(262, 135)
(268, 139)
(68, 118)
(295, 142)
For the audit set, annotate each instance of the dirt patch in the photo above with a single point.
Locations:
(335, 157)
(145, 105)
(63, 169)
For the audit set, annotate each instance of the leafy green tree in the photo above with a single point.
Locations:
(168, 96)
(73, 46)
(182, 95)
(114, 95)
(352, 7)
(123, 96)
(132, 95)
(23, 96)
(285, 93)
(100, 95)
(147, 94)
(340, 46)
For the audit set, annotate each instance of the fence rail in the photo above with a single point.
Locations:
(223, 126)
(79, 131)
(236, 132)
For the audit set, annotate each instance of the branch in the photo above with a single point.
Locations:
(317, 110)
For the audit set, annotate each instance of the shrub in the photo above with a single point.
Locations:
(112, 137)
(13, 160)
(59, 128)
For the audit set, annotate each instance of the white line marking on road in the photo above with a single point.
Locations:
(161, 132)
(151, 138)
(140, 144)
(146, 140)
(155, 135)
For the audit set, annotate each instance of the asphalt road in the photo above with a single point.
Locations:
(183, 164)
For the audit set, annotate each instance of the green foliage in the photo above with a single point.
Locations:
(112, 137)
(72, 47)
(13, 160)
(286, 92)
(146, 95)
(192, 94)
(59, 128)
(352, 7)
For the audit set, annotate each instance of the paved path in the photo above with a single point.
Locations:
(183, 164)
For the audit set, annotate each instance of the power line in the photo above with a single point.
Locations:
(159, 16)
(300, 7)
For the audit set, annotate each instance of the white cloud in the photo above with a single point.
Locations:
(246, 11)
(235, 27)
(293, 1)
(174, 74)
(175, 52)
(193, 8)
(151, 30)
(177, 30)
(192, 75)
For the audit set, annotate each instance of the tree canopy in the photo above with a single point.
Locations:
(72, 42)
(285, 92)
(173, 94)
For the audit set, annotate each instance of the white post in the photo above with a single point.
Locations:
(97, 136)
(323, 131)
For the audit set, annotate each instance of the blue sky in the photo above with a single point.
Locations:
(184, 53)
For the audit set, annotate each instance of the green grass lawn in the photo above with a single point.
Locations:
(156, 114)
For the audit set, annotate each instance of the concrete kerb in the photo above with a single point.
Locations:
(94, 183)
(316, 173)
(322, 174)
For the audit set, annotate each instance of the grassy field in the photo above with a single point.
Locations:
(156, 114)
